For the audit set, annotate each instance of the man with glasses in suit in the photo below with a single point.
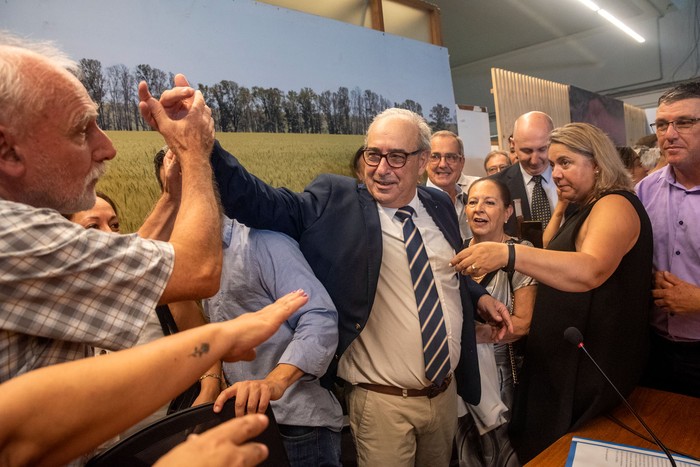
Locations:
(402, 381)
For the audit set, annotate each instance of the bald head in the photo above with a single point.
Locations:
(531, 139)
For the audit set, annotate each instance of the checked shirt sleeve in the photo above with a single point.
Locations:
(63, 287)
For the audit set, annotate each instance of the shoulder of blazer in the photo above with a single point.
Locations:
(434, 196)
(440, 207)
(512, 172)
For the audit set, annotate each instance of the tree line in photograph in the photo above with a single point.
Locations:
(240, 109)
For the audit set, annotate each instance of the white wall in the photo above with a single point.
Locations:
(473, 128)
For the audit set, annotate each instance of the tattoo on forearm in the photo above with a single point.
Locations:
(201, 350)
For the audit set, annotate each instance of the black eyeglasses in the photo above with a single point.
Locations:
(395, 159)
(496, 168)
(682, 125)
(450, 157)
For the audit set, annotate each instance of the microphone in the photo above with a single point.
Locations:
(574, 336)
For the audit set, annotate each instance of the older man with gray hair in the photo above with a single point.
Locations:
(381, 249)
(66, 289)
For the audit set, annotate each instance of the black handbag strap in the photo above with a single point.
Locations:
(167, 322)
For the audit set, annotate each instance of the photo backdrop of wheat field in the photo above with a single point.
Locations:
(289, 160)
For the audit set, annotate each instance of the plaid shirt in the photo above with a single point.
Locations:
(64, 289)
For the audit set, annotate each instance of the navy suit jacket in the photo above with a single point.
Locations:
(337, 225)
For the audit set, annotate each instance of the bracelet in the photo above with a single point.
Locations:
(210, 375)
(510, 267)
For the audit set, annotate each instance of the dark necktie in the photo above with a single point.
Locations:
(540, 204)
(436, 353)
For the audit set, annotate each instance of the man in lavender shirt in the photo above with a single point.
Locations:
(672, 199)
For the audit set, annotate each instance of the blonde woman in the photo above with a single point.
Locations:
(595, 275)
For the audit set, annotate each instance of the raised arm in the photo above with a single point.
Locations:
(55, 414)
(555, 221)
(611, 230)
(185, 122)
(160, 222)
(251, 201)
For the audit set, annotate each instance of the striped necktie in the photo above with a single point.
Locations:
(436, 353)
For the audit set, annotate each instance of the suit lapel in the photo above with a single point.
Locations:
(440, 219)
(516, 180)
(373, 234)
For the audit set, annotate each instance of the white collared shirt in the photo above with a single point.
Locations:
(389, 349)
(547, 183)
(462, 187)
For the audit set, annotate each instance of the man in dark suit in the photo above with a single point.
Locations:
(353, 238)
(530, 141)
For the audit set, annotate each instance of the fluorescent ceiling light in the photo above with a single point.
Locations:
(590, 4)
(616, 22)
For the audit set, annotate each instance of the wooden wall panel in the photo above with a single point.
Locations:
(635, 123)
(515, 94)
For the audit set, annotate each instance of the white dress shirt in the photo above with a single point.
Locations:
(389, 350)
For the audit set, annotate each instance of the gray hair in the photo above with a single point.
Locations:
(494, 153)
(20, 97)
(412, 117)
(449, 134)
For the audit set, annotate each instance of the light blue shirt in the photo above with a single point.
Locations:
(260, 266)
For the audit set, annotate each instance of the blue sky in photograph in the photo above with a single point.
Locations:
(252, 43)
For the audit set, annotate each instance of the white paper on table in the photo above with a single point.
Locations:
(593, 453)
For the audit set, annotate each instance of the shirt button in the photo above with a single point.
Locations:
(357, 326)
(678, 253)
(680, 222)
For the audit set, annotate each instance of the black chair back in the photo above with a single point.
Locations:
(146, 446)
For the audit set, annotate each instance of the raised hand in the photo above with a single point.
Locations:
(181, 116)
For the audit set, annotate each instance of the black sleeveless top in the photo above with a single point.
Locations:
(561, 389)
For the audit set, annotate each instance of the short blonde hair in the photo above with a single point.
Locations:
(592, 142)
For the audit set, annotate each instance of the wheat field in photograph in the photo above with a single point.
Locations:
(289, 160)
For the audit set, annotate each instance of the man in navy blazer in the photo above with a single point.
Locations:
(354, 245)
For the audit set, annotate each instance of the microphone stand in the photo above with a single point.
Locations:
(574, 336)
(634, 412)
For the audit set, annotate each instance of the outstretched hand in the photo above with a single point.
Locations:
(252, 396)
(251, 329)
(481, 258)
(223, 445)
